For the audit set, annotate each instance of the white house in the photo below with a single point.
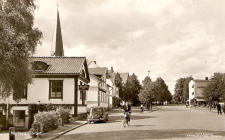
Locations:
(195, 91)
(56, 81)
(98, 94)
(114, 99)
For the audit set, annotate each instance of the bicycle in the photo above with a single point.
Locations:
(126, 120)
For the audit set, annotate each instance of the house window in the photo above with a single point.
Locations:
(193, 93)
(39, 66)
(19, 118)
(56, 89)
(193, 86)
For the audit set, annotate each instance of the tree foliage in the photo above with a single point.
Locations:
(134, 87)
(161, 90)
(186, 88)
(18, 41)
(147, 92)
(118, 80)
(181, 90)
(215, 89)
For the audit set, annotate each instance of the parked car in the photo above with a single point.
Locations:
(97, 114)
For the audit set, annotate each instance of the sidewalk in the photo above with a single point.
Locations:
(46, 136)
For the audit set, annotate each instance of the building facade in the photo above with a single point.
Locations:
(56, 81)
(98, 94)
(195, 91)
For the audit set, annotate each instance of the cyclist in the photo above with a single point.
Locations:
(127, 108)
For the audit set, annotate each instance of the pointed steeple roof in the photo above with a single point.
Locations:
(58, 38)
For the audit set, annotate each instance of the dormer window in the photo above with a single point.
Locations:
(39, 66)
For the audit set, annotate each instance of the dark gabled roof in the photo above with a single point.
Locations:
(96, 77)
(98, 71)
(124, 76)
(61, 65)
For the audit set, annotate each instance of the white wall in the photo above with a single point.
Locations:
(82, 109)
(197, 89)
(40, 90)
(191, 90)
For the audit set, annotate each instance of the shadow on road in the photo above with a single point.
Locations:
(118, 118)
(139, 125)
(148, 134)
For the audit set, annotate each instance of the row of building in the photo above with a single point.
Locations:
(60, 80)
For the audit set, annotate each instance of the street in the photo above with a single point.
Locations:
(168, 122)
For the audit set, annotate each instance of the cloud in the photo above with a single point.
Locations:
(171, 38)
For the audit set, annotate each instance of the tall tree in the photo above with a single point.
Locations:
(119, 85)
(147, 92)
(134, 87)
(215, 89)
(179, 90)
(161, 90)
(18, 41)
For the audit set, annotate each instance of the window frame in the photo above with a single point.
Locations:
(50, 89)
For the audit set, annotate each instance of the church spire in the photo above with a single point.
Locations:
(58, 38)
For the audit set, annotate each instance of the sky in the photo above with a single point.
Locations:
(170, 38)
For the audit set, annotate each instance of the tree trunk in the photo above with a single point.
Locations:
(147, 105)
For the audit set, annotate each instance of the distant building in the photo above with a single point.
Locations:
(114, 99)
(195, 91)
(98, 94)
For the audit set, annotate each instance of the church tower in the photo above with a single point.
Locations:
(58, 42)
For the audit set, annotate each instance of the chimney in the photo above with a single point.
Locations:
(206, 78)
(111, 68)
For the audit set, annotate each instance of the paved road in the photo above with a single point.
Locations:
(169, 122)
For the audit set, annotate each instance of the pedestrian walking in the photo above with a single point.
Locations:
(219, 108)
(142, 108)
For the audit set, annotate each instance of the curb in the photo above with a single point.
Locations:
(64, 132)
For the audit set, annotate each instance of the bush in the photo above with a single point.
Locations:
(48, 119)
(34, 130)
(64, 113)
(33, 133)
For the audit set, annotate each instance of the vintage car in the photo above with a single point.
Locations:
(96, 114)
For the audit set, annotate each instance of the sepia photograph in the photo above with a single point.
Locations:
(112, 69)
